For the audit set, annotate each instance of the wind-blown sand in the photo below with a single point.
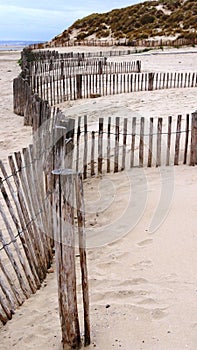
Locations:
(147, 280)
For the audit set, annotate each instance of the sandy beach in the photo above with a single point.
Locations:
(13, 135)
(143, 284)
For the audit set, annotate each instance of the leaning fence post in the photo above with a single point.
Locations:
(193, 154)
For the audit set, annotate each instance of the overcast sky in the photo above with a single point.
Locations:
(44, 19)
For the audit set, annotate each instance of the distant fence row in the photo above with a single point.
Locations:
(28, 56)
(70, 67)
(141, 141)
(120, 42)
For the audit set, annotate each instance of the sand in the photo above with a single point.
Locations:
(13, 135)
(143, 284)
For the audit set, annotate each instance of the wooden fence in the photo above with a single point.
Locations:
(121, 42)
(124, 143)
(71, 67)
(35, 210)
(58, 78)
(38, 188)
(27, 55)
(57, 89)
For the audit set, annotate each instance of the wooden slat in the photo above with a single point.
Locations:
(141, 143)
(186, 139)
(177, 142)
(108, 144)
(117, 139)
(78, 141)
(150, 148)
(11, 283)
(23, 237)
(82, 251)
(124, 143)
(15, 265)
(85, 153)
(168, 140)
(159, 134)
(31, 202)
(93, 154)
(193, 152)
(100, 146)
(133, 141)
(29, 224)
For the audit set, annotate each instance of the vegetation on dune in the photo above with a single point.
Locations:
(140, 21)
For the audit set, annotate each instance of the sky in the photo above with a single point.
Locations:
(41, 20)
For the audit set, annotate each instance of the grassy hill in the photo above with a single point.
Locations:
(151, 19)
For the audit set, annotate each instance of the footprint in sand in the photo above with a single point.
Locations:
(141, 265)
(145, 242)
(158, 313)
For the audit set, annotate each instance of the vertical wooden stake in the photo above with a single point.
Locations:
(141, 145)
(159, 133)
(100, 146)
(65, 260)
(177, 142)
(133, 142)
(85, 148)
(82, 251)
(169, 140)
(117, 137)
(108, 144)
(92, 153)
(79, 85)
(124, 143)
(186, 139)
(150, 149)
(193, 155)
(78, 140)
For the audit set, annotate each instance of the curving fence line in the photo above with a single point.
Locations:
(38, 189)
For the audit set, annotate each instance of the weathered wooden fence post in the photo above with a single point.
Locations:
(82, 252)
(177, 142)
(193, 154)
(186, 139)
(150, 81)
(169, 140)
(79, 85)
(100, 146)
(65, 260)
(159, 138)
(64, 235)
(116, 148)
(138, 64)
(100, 70)
(85, 151)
